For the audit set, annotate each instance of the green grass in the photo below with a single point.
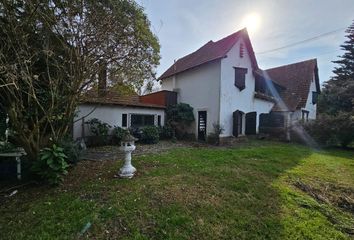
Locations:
(250, 192)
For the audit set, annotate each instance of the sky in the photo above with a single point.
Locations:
(183, 26)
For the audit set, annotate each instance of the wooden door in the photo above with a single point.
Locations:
(237, 123)
(251, 123)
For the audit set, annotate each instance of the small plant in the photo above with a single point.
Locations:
(150, 135)
(214, 138)
(218, 129)
(51, 165)
(71, 149)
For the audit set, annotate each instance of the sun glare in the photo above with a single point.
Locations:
(251, 22)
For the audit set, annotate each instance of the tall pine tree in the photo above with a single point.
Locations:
(338, 93)
(335, 123)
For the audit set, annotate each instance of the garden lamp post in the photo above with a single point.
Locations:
(127, 146)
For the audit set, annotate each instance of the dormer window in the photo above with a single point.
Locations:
(240, 78)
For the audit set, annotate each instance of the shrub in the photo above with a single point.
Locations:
(166, 132)
(214, 137)
(51, 165)
(99, 129)
(332, 130)
(150, 135)
(118, 134)
(7, 147)
(71, 149)
(179, 116)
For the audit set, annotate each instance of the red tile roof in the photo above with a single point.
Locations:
(296, 78)
(209, 52)
(114, 98)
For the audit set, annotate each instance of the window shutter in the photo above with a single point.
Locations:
(240, 77)
(124, 120)
(159, 120)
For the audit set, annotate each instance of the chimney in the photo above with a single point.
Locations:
(102, 79)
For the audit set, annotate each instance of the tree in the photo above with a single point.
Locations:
(335, 123)
(338, 92)
(51, 52)
(179, 116)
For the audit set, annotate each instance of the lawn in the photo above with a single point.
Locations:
(259, 190)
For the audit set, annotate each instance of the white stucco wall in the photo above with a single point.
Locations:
(199, 87)
(310, 107)
(112, 115)
(167, 84)
(232, 98)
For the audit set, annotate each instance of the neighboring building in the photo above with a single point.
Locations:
(119, 110)
(223, 84)
(301, 88)
(116, 110)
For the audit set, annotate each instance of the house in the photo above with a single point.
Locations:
(224, 84)
(110, 107)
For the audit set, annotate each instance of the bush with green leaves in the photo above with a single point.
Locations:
(51, 165)
(7, 147)
(98, 127)
(150, 135)
(179, 117)
(166, 132)
(71, 149)
(332, 130)
(119, 133)
(100, 130)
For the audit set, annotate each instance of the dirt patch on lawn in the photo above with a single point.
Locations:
(333, 195)
(342, 197)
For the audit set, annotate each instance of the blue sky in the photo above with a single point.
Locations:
(183, 26)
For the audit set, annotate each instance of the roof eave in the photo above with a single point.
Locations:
(123, 105)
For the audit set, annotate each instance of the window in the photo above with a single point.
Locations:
(260, 85)
(240, 76)
(314, 97)
(124, 120)
(159, 120)
(138, 120)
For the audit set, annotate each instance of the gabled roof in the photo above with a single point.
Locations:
(114, 98)
(296, 78)
(209, 52)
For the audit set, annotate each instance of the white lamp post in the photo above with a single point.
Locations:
(127, 146)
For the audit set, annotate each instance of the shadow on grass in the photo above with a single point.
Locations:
(189, 193)
(213, 193)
